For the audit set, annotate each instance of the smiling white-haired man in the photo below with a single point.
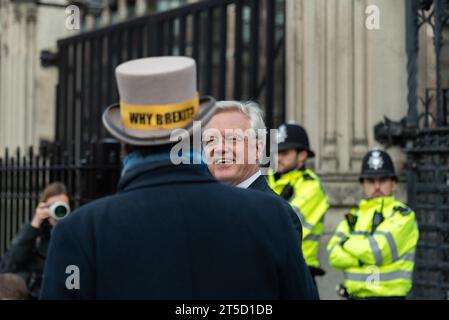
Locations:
(234, 146)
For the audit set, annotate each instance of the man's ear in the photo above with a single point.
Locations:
(261, 144)
(395, 185)
(302, 157)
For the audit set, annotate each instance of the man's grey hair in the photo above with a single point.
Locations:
(250, 108)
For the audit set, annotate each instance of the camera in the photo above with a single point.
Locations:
(59, 210)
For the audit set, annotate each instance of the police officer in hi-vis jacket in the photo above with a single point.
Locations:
(375, 244)
(301, 187)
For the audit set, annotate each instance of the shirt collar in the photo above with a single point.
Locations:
(245, 184)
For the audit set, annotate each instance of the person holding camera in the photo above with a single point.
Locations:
(28, 250)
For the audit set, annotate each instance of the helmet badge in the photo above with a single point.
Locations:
(375, 161)
(282, 134)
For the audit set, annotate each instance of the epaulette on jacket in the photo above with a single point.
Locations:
(403, 210)
(307, 176)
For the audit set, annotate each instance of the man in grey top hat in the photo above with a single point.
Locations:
(172, 231)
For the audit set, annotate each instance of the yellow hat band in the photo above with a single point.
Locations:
(157, 117)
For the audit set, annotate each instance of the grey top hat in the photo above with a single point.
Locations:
(157, 96)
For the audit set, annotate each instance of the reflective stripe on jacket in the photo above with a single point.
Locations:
(376, 261)
(310, 203)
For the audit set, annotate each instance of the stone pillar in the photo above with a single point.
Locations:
(342, 77)
(27, 91)
(89, 23)
(105, 18)
(141, 7)
(122, 10)
(50, 27)
(17, 39)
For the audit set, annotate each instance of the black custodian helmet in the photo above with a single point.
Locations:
(293, 136)
(377, 164)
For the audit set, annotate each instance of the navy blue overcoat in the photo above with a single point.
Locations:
(173, 232)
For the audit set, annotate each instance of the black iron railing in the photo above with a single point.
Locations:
(424, 133)
(238, 46)
(426, 136)
(23, 176)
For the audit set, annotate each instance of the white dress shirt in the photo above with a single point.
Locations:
(245, 184)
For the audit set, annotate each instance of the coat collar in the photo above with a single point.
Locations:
(163, 172)
(368, 204)
(261, 184)
(289, 177)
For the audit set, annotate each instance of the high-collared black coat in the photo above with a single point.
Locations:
(261, 184)
(173, 232)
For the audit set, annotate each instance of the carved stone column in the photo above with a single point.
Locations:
(342, 77)
(17, 39)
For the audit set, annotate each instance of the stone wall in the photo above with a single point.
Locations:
(27, 91)
(343, 78)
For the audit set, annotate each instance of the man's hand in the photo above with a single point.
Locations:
(42, 212)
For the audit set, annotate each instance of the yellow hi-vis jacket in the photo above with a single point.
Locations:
(310, 203)
(379, 262)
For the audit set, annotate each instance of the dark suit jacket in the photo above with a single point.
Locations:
(261, 184)
(173, 232)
